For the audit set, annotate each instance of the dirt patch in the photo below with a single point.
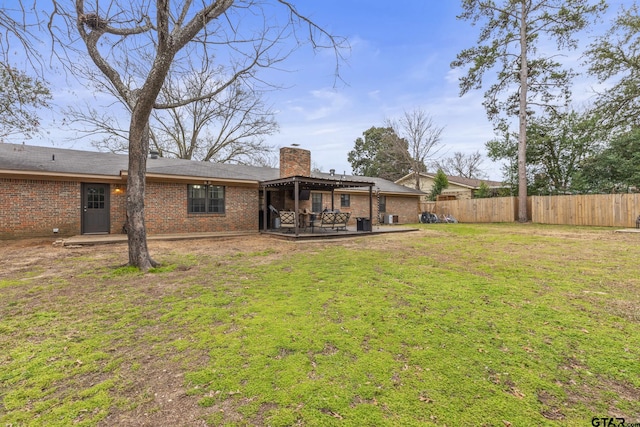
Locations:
(550, 410)
(164, 401)
(580, 390)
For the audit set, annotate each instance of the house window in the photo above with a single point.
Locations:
(382, 203)
(95, 198)
(316, 202)
(345, 200)
(205, 199)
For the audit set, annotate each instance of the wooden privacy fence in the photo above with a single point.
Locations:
(603, 210)
(498, 209)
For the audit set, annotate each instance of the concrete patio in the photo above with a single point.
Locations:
(351, 232)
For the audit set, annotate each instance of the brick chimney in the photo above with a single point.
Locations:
(294, 162)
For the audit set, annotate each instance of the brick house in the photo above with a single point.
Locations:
(46, 191)
(459, 188)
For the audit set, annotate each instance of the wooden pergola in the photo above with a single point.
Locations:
(299, 183)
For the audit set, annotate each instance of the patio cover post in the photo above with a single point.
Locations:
(371, 206)
(264, 209)
(296, 186)
(332, 204)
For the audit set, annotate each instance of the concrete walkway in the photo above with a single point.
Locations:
(629, 230)
(102, 239)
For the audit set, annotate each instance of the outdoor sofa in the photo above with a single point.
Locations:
(334, 220)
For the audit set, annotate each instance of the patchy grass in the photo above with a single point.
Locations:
(456, 324)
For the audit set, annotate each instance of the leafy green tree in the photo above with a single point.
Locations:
(615, 169)
(440, 182)
(20, 93)
(378, 154)
(557, 144)
(615, 57)
(20, 97)
(507, 44)
(504, 148)
(483, 191)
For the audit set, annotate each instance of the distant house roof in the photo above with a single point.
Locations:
(31, 160)
(458, 180)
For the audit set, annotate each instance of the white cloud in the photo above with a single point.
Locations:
(453, 76)
(319, 104)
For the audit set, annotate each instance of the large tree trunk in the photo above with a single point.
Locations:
(143, 101)
(522, 116)
(137, 234)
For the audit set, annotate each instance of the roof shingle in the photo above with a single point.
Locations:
(53, 160)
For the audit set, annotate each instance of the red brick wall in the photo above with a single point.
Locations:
(33, 208)
(118, 200)
(166, 210)
(294, 162)
(406, 208)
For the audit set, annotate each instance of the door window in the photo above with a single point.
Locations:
(95, 197)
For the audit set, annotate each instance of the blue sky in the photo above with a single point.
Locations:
(400, 60)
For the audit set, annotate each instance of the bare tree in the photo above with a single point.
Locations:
(116, 34)
(228, 127)
(463, 165)
(421, 140)
(17, 22)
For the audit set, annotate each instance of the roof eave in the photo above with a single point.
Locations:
(315, 182)
(58, 176)
(194, 179)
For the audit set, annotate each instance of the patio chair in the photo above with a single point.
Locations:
(341, 220)
(287, 220)
(327, 220)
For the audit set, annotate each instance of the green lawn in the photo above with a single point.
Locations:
(456, 324)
